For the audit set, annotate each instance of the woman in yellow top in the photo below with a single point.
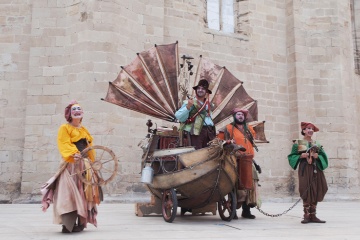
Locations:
(74, 202)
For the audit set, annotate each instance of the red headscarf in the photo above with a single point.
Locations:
(304, 125)
(244, 111)
(68, 110)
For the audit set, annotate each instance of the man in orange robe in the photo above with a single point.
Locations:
(242, 134)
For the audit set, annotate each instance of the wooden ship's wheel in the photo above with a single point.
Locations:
(100, 171)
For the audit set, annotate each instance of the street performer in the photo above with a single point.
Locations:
(240, 133)
(73, 201)
(312, 160)
(195, 117)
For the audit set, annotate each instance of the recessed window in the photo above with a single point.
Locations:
(220, 15)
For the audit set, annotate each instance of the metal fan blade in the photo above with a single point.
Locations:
(149, 83)
(259, 128)
(121, 98)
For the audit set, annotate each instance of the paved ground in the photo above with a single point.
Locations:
(118, 221)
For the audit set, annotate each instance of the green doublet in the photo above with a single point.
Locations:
(300, 146)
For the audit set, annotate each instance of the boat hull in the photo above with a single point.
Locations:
(209, 174)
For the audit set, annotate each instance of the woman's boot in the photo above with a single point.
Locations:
(306, 214)
(313, 217)
(64, 229)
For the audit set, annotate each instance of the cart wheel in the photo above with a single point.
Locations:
(169, 205)
(227, 207)
(99, 172)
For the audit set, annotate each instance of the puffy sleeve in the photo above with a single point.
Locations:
(294, 156)
(183, 113)
(66, 148)
(223, 133)
(322, 162)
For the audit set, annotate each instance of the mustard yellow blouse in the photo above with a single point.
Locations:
(67, 136)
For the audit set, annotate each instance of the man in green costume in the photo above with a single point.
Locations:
(195, 117)
(311, 159)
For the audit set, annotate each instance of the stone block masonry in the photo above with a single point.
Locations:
(295, 57)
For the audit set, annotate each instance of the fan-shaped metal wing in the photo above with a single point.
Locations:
(259, 128)
(149, 83)
(228, 91)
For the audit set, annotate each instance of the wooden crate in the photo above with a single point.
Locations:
(145, 209)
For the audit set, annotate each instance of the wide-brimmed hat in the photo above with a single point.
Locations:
(304, 125)
(203, 83)
(244, 111)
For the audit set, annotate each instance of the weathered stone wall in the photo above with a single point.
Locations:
(294, 56)
(15, 42)
(323, 85)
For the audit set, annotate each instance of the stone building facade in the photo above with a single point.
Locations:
(296, 57)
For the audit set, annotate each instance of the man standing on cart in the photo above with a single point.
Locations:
(195, 117)
(242, 134)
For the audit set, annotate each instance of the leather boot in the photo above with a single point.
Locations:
(64, 229)
(246, 213)
(306, 214)
(80, 226)
(76, 228)
(313, 217)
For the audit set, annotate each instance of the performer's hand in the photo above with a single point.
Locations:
(315, 155)
(309, 160)
(304, 155)
(190, 103)
(77, 156)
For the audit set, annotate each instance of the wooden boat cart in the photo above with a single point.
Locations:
(189, 178)
(156, 83)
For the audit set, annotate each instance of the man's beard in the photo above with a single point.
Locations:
(237, 121)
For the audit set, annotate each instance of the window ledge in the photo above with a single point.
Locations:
(241, 37)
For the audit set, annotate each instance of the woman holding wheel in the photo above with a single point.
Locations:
(74, 202)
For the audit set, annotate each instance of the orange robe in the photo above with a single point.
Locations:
(245, 159)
